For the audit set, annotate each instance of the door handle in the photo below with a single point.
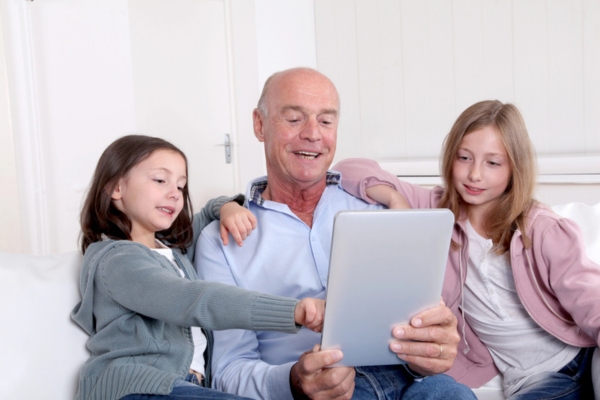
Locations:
(227, 145)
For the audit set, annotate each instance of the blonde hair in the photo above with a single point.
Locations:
(510, 210)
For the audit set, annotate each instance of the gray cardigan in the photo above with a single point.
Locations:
(137, 310)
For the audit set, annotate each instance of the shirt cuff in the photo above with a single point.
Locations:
(278, 382)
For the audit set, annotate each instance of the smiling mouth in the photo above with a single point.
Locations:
(473, 189)
(166, 210)
(307, 155)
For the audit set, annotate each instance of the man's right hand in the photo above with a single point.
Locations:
(311, 379)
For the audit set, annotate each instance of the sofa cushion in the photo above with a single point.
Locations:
(41, 348)
(588, 219)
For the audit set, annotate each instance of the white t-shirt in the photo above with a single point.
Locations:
(197, 334)
(521, 349)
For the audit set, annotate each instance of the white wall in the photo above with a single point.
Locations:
(265, 36)
(10, 221)
(285, 36)
(406, 69)
(71, 92)
(78, 82)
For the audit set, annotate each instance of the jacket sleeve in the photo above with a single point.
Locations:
(139, 282)
(358, 174)
(573, 277)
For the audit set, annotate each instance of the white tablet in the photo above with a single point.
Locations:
(385, 267)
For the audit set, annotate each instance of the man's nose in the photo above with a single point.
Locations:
(311, 130)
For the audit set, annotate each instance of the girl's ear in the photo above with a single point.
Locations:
(117, 194)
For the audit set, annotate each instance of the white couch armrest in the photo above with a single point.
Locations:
(41, 348)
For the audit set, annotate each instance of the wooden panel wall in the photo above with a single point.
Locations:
(405, 70)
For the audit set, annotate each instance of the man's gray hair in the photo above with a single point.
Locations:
(262, 101)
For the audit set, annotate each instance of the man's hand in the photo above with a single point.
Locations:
(311, 379)
(310, 313)
(429, 344)
(238, 221)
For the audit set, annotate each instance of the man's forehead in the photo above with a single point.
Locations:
(306, 97)
(333, 110)
(307, 82)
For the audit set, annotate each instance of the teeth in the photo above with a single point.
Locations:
(165, 210)
(307, 154)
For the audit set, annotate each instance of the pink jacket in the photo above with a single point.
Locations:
(555, 280)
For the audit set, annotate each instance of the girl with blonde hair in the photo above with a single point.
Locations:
(518, 279)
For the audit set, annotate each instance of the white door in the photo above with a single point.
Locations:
(182, 85)
(83, 72)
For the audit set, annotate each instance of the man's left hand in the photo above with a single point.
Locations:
(429, 344)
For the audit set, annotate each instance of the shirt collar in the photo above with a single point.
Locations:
(258, 186)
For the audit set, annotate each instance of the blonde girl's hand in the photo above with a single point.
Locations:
(388, 196)
(237, 221)
(310, 313)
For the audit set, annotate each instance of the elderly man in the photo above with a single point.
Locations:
(288, 254)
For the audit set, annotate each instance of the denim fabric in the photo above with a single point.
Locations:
(192, 378)
(183, 390)
(572, 382)
(394, 382)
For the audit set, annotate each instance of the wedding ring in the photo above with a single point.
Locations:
(441, 350)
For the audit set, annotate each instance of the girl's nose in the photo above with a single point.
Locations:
(175, 193)
(475, 173)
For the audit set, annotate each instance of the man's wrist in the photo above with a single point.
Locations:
(295, 388)
(413, 373)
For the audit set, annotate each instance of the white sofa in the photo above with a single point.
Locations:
(41, 349)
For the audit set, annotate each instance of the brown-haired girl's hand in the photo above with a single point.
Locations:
(310, 313)
(237, 221)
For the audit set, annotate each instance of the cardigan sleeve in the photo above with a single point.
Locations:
(137, 281)
(209, 213)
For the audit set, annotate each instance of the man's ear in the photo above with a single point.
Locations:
(258, 125)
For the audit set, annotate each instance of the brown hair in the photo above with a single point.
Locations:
(100, 217)
(509, 212)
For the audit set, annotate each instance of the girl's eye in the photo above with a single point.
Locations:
(159, 181)
(180, 188)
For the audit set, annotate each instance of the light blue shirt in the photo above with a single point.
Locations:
(282, 256)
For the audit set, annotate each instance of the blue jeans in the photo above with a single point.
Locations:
(395, 382)
(187, 390)
(572, 382)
